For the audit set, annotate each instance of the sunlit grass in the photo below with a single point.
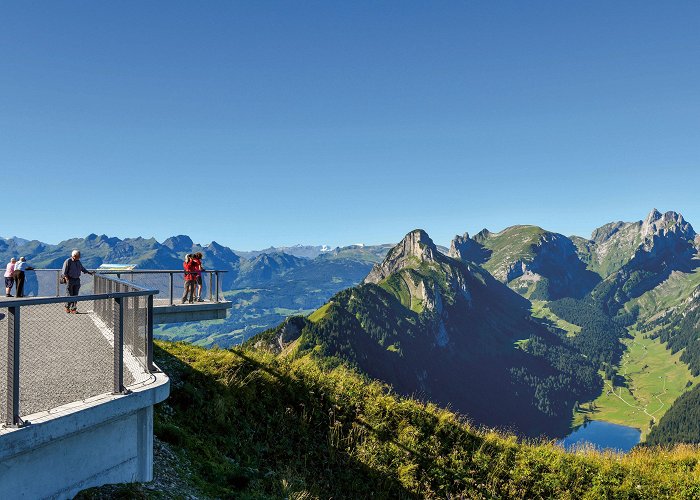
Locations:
(256, 426)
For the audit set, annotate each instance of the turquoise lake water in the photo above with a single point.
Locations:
(603, 435)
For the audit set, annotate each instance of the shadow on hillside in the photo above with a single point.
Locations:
(425, 461)
(264, 432)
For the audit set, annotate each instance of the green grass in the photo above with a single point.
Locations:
(319, 313)
(668, 294)
(257, 426)
(655, 379)
(540, 310)
(397, 286)
(512, 244)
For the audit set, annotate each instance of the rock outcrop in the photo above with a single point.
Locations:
(416, 247)
(467, 249)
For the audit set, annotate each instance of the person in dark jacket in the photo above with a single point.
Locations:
(18, 275)
(72, 269)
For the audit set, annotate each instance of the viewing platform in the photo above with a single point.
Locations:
(168, 285)
(77, 389)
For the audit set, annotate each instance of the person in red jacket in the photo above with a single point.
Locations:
(190, 278)
(197, 258)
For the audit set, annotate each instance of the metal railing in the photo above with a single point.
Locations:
(54, 357)
(171, 282)
(168, 282)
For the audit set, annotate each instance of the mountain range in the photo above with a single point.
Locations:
(519, 328)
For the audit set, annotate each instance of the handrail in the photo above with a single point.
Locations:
(26, 301)
(134, 271)
(214, 280)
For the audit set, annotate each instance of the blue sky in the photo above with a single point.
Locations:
(270, 123)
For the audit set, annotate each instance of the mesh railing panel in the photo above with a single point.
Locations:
(69, 357)
(45, 283)
(161, 281)
(63, 357)
(3, 365)
(135, 326)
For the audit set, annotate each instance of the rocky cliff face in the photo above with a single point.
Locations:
(425, 280)
(416, 247)
(642, 255)
(615, 245)
(667, 233)
(467, 249)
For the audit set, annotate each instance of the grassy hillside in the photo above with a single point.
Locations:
(671, 293)
(540, 310)
(513, 244)
(649, 379)
(251, 425)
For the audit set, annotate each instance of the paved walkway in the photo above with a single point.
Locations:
(64, 358)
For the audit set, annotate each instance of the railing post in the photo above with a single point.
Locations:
(58, 283)
(149, 334)
(12, 418)
(211, 288)
(217, 286)
(171, 288)
(98, 303)
(119, 346)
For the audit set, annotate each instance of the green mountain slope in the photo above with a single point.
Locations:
(681, 424)
(247, 424)
(535, 263)
(645, 254)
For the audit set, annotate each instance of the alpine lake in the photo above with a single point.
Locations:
(603, 436)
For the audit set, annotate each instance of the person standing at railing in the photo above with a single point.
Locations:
(198, 280)
(190, 278)
(70, 274)
(9, 280)
(18, 275)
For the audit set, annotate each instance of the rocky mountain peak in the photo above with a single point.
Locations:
(180, 243)
(482, 235)
(415, 246)
(458, 243)
(658, 224)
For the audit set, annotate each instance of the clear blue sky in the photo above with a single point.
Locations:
(267, 123)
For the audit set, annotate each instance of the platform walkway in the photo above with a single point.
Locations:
(64, 358)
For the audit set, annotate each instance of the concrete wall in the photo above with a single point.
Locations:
(106, 439)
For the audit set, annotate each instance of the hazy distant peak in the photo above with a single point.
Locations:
(179, 243)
